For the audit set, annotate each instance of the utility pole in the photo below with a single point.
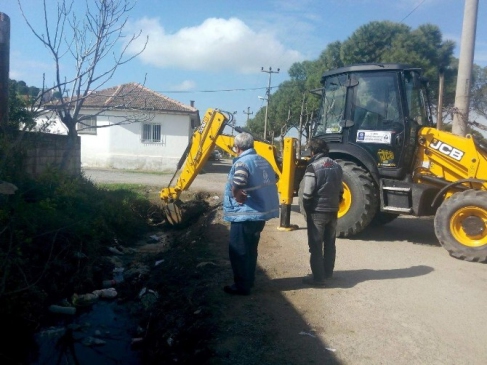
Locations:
(270, 72)
(300, 132)
(248, 112)
(4, 68)
(464, 78)
(233, 121)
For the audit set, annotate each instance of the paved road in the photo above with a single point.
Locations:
(397, 298)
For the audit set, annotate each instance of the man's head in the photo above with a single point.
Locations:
(243, 141)
(318, 145)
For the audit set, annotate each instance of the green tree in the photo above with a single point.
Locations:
(378, 41)
(479, 91)
(21, 116)
(372, 42)
(478, 100)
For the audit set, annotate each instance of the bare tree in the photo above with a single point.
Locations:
(86, 43)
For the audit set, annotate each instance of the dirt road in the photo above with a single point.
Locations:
(396, 298)
(212, 178)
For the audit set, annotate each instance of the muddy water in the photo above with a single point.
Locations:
(99, 334)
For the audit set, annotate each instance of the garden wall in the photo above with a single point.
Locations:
(43, 150)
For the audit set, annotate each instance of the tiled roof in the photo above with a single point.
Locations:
(134, 96)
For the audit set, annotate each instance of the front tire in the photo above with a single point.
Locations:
(360, 200)
(461, 225)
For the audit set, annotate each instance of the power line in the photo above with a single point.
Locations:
(210, 91)
(412, 11)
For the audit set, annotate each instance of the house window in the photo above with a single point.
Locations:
(87, 126)
(151, 133)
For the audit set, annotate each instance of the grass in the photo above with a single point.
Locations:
(53, 232)
(150, 193)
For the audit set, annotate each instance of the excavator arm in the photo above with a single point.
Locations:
(196, 155)
(209, 135)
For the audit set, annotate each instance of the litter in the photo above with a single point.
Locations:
(84, 300)
(201, 264)
(63, 310)
(107, 293)
(115, 250)
(155, 238)
(117, 278)
(92, 341)
(118, 274)
(148, 297)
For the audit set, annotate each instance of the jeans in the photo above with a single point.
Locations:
(244, 239)
(321, 242)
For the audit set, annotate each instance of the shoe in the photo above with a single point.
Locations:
(233, 290)
(309, 280)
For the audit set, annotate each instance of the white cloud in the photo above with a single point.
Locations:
(184, 86)
(216, 44)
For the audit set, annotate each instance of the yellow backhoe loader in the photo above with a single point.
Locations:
(377, 122)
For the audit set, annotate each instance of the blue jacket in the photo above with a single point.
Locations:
(262, 201)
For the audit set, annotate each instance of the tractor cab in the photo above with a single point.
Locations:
(373, 112)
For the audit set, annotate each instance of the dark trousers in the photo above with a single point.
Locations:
(244, 239)
(321, 242)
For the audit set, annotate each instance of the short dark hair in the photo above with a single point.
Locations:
(318, 145)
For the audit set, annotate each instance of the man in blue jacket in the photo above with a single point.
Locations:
(250, 200)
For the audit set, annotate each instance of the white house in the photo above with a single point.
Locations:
(132, 127)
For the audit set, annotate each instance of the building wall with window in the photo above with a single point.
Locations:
(155, 145)
(129, 127)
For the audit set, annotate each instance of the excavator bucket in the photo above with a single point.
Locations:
(173, 212)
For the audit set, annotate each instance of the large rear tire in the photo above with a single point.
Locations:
(461, 225)
(360, 200)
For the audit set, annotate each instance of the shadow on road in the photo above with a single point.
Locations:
(418, 230)
(264, 327)
(415, 230)
(350, 278)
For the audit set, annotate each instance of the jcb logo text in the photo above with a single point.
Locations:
(447, 149)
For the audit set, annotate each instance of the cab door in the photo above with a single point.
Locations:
(378, 127)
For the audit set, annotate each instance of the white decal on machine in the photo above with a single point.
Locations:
(446, 149)
(366, 136)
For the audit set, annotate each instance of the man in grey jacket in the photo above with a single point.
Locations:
(322, 193)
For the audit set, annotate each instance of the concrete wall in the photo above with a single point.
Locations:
(44, 150)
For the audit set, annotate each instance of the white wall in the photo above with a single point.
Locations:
(120, 146)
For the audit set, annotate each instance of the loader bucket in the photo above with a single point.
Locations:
(173, 212)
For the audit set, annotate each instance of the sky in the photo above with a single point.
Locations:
(215, 52)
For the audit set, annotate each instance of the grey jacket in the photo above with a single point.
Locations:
(323, 188)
